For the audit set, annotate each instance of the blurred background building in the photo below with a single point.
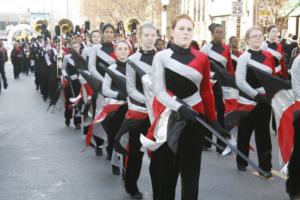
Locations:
(235, 15)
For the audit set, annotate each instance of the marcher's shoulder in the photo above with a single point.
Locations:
(113, 66)
(163, 53)
(245, 55)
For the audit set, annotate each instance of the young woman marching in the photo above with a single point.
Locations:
(293, 181)
(139, 66)
(276, 49)
(234, 50)
(102, 55)
(218, 52)
(95, 38)
(72, 86)
(259, 118)
(181, 85)
(116, 100)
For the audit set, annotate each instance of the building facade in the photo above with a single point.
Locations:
(204, 12)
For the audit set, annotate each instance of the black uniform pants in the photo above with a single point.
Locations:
(44, 81)
(165, 166)
(17, 64)
(257, 120)
(37, 74)
(52, 81)
(2, 72)
(112, 124)
(26, 66)
(220, 108)
(293, 181)
(135, 157)
(72, 90)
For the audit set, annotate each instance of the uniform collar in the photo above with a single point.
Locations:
(180, 50)
(254, 52)
(120, 63)
(144, 52)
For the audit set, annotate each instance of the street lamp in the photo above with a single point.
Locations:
(165, 4)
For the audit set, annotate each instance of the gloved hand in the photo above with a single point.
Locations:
(187, 113)
(215, 125)
(260, 99)
(121, 96)
(67, 78)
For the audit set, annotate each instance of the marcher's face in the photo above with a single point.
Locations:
(108, 35)
(273, 34)
(160, 45)
(183, 33)
(96, 38)
(255, 39)
(122, 51)
(234, 43)
(76, 47)
(218, 34)
(148, 38)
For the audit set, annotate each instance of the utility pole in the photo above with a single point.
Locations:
(238, 25)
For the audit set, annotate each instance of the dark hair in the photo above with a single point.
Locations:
(294, 37)
(231, 38)
(106, 26)
(213, 26)
(159, 40)
(195, 45)
(271, 27)
(94, 31)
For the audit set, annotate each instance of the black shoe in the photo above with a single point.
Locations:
(98, 151)
(241, 167)
(67, 122)
(108, 156)
(206, 148)
(266, 175)
(123, 174)
(295, 196)
(115, 170)
(136, 195)
(78, 126)
(5, 85)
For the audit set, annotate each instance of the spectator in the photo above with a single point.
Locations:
(3, 59)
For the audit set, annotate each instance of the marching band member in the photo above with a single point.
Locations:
(258, 119)
(95, 38)
(219, 52)
(102, 55)
(234, 50)
(184, 73)
(293, 181)
(44, 70)
(72, 87)
(276, 49)
(116, 105)
(52, 79)
(137, 114)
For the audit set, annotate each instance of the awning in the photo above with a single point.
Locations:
(291, 9)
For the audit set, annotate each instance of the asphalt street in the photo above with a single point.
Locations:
(42, 159)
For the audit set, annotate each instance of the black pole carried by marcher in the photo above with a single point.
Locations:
(233, 148)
